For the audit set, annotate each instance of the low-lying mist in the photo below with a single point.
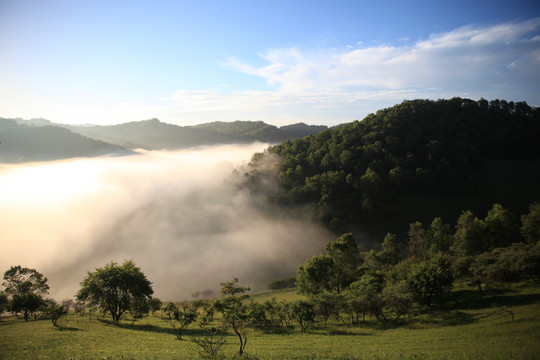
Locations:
(179, 215)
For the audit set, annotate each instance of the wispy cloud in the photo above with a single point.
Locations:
(493, 61)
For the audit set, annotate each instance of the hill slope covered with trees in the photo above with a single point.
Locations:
(413, 161)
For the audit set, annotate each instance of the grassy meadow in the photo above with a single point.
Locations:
(471, 325)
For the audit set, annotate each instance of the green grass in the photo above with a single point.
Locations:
(471, 329)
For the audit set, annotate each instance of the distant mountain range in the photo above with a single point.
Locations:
(41, 140)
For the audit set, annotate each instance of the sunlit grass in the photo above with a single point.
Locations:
(470, 331)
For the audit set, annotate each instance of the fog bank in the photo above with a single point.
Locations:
(178, 215)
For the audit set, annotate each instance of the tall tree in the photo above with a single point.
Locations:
(116, 288)
(346, 258)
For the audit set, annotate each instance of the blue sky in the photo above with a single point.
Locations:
(319, 62)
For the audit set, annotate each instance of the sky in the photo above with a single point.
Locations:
(282, 62)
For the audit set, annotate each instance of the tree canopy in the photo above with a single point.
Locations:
(24, 288)
(116, 288)
(361, 171)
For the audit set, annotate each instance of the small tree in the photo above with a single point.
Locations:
(304, 313)
(54, 311)
(179, 319)
(235, 311)
(209, 346)
(398, 298)
(155, 305)
(115, 288)
(24, 288)
(431, 278)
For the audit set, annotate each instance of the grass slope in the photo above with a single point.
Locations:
(472, 329)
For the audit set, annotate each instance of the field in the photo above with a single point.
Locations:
(494, 324)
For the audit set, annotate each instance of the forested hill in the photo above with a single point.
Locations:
(413, 161)
(23, 143)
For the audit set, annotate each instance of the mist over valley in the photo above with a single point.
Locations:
(179, 215)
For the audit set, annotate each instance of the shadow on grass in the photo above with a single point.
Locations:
(476, 299)
(156, 329)
(138, 327)
(67, 328)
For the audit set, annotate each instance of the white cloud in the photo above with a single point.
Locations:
(499, 61)
(331, 86)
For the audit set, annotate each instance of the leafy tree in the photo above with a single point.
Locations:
(516, 262)
(391, 250)
(155, 304)
(24, 288)
(363, 297)
(116, 288)
(179, 319)
(346, 259)
(328, 304)
(304, 313)
(502, 227)
(470, 236)
(315, 275)
(431, 278)
(55, 311)
(25, 303)
(236, 313)
(398, 298)
(439, 236)
(418, 248)
(530, 228)
(139, 308)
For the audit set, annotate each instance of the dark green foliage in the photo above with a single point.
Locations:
(431, 278)
(333, 271)
(315, 275)
(398, 298)
(3, 301)
(517, 262)
(19, 280)
(328, 304)
(345, 256)
(303, 312)
(391, 250)
(54, 311)
(116, 288)
(25, 303)
(358, 172)
(24, 288)
(179, 319)
(363, 298)
(530, 228)
(287, 283)
(154, 304)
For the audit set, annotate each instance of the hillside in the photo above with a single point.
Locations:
(413, 161)
(258, 130)
(154, 135)
(23, 143)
